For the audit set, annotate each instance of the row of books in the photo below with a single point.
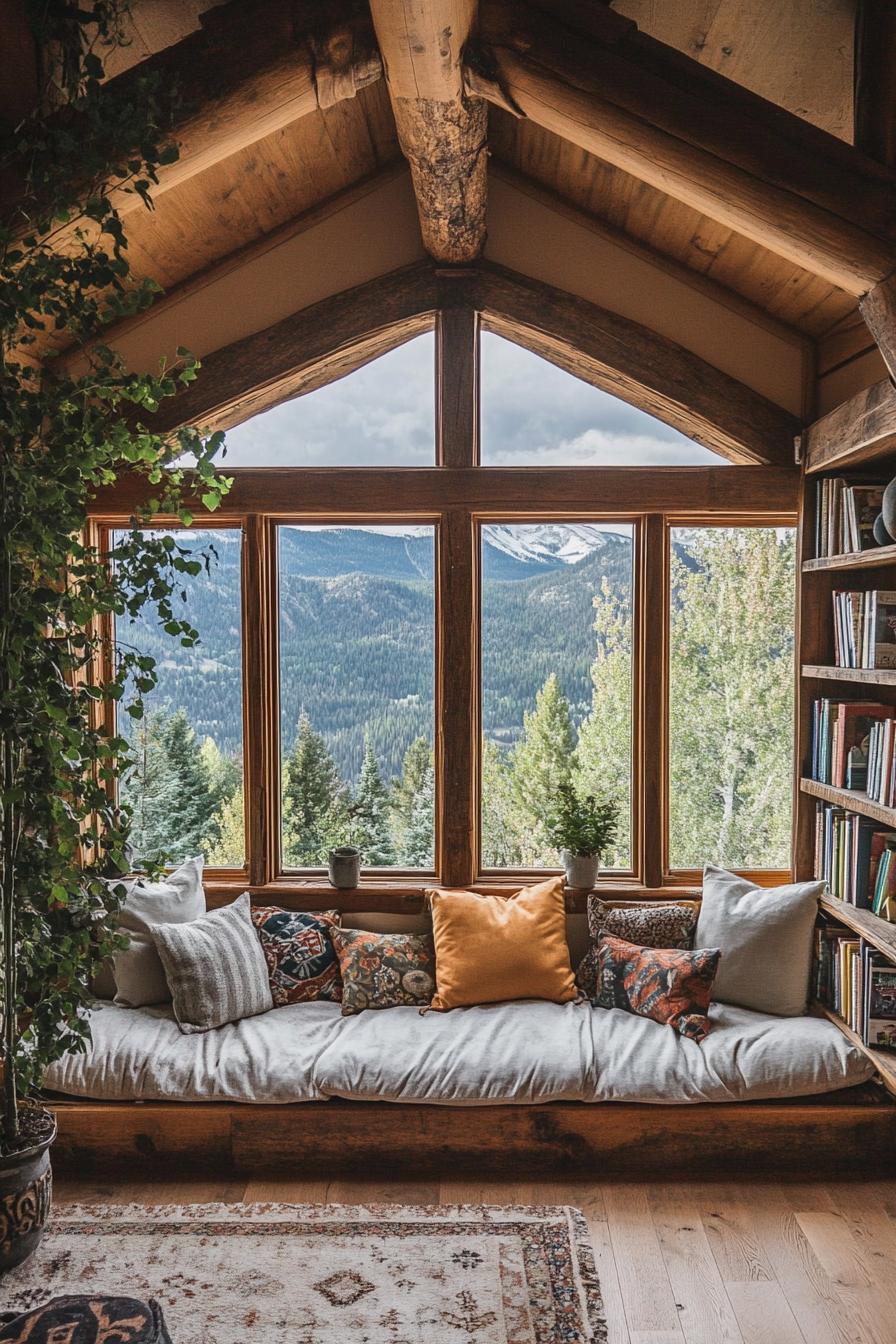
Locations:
(853, 746)
(844, 515)
(858, 983)
(865, 628)
(856, 856)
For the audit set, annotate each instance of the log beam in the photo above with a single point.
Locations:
(314, 346)
(856, 431)
(693, 134)
(630, 361)
(248, 72)
(878, 308)
(442, 130)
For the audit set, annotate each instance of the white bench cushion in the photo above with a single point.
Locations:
(500, 1053)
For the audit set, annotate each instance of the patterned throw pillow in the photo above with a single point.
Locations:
(664, 984)
(298, 948)
(646, 924)
(384, 970)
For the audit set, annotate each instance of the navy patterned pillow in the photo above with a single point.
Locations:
(298, 948)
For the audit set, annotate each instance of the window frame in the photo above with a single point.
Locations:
(456, 496)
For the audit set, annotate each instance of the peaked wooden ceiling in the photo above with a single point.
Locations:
(342, 130)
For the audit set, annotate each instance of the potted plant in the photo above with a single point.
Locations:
(63, 839)
(582, 827)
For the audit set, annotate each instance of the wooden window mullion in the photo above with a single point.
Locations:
(651, 690)
(457, 382)
(261, 709)
(457, 723)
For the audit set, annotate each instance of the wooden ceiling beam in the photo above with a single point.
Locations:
(248, 72)
(442, 130)
(328, 339)
(314, 346)
(862, 428)
(691, 133)
(878, 308)
(630, 361)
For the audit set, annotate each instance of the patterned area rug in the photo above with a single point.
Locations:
(330, 1274)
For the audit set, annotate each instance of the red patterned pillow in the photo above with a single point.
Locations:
(665, 984)
(301, 959)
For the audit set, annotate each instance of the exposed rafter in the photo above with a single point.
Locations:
(687, 131)
(442, 130)
(878, 308)
(628, 360)
(250, 71)
(316, 345)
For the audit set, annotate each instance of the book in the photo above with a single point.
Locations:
(879, 1027)
(845, 510)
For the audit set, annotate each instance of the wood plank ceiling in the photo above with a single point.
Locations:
(765, 48)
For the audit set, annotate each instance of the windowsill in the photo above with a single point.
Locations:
(404, 895)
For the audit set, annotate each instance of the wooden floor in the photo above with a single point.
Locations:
(684, 1263)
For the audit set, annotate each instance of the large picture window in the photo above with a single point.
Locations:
(556, 681)
(731, 614)
(565, 589)
(357, 658)
(186, 790)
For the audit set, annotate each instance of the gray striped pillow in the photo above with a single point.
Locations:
(215, 967)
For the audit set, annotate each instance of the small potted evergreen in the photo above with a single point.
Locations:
(582, 827)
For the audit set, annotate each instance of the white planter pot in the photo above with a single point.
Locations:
(581, 869)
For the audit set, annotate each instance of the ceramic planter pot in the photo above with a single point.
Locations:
(26, 1186)
(581, 869)
(344, 866)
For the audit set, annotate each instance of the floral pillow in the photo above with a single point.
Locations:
(647, 925)
(665, 984)
(301, 959)
(384, 970)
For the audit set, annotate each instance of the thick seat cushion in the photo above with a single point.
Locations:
(501, 1053)
(141, 1053)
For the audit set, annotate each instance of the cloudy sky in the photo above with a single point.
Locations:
(533, 414)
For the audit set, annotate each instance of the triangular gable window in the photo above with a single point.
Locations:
(536, 414)
(381, 415)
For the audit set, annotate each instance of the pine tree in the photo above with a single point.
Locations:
(541, 761)
(419, 840)
(603, 756)
(502, 844)
(418, 760)
(227, 847)
(370, 827)
(315, 801)
(169, 790)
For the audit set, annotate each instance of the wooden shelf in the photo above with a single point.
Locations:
(883, 1060)
(851, 799)
(881, 555)
(867, 676)
(880, 932)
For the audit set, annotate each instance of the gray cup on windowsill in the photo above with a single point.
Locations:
(345, 866)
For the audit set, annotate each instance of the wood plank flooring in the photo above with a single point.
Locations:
(683, 1263)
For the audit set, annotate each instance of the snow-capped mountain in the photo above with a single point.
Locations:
(546, 543)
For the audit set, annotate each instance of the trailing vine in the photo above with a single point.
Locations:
(67, 428)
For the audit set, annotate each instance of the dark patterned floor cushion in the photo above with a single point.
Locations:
(87, 1320)
(670, 924)
(298, 948)
(665, 984)
(384, 970)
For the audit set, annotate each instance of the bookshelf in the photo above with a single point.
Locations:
(883, 1060)
(819, 678)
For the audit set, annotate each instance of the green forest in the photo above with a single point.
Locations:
(356, 620)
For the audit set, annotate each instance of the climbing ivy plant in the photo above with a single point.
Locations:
(68, 427)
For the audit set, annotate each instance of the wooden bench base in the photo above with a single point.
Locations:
(842, 1132)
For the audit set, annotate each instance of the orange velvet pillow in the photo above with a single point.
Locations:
(493, 948)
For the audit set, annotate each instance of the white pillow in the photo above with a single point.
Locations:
(177, 899)
(765, 935)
